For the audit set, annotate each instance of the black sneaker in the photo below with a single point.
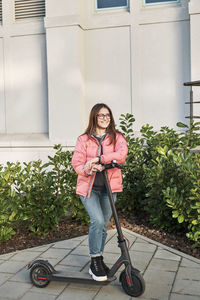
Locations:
(96, 269)
(106, 269)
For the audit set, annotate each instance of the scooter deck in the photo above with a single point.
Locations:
(78, 277)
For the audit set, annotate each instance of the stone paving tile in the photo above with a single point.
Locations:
(34, 296)
(54, 288)
(140, 260)
(77, 294)
(130, 238)
(52, 261)
(183, 297)
(187, 287)
(55, 253)
(164, 254)
(110, 258)
(81, 250)
(85, 286)
(75, 260)
(144, 248)
(12, 266)
(116, 292)
(155, 275)
(67, 244)
(21, 276)
(157, 290)
(112, 248)
(188, 273)
(39, 248)
(4, 277)
(85, 242)
(13, 290)
(7, 256)
(80, 238)
(140, 240)
(83, 239)
(111, 233)
(164, 264)
(25, 256)
(188, 263)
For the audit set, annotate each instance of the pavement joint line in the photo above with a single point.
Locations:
(67, 254)
(150, 260)
(174, 251)
(175, 277)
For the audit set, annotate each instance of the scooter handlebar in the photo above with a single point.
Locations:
(112, 165)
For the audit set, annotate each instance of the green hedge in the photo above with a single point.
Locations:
(37, 196)
(162, 178)
(161, 181)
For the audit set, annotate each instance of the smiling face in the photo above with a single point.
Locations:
(103, 118)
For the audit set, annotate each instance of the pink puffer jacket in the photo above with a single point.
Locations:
(87, 148)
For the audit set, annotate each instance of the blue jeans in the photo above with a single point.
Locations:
(99, 210)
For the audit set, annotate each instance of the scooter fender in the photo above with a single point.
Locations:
(42, 262)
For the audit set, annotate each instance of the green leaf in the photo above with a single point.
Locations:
(195, 222)
(181, 219)
(12, 215)
(182, 125)
(175, 214)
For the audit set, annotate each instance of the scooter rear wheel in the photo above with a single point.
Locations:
(138, 283)
(39, 275)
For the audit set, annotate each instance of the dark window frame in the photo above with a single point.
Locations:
(154, 2)
(101, 4)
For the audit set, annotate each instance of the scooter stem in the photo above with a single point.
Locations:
(114, 211)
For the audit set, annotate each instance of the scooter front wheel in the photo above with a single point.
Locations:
(39, 275)
(138, 283)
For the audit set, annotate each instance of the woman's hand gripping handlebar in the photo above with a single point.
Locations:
(112, 165)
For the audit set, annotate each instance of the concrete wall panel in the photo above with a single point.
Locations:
(27, 106)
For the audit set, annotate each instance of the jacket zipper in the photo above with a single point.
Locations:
(93, 176)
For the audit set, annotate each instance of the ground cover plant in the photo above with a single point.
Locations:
(161, 189)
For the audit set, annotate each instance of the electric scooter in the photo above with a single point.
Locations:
(42, 272)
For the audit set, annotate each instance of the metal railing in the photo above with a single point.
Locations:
(192, 102)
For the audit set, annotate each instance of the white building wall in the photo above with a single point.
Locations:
(136, 61)
(2, 97)
(164, 66)
(108, 69)
(24, 83)
(26, 104)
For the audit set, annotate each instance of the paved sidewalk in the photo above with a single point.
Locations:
(169, 274)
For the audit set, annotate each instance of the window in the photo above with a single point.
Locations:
(159, 1)
(29, 9)
(101, 4)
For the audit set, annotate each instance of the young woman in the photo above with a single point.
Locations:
(100, 144)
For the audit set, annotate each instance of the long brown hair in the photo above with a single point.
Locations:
(93, 122)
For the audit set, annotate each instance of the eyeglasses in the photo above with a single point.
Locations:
(102, 116)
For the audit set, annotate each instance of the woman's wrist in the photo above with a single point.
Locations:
(99, 157)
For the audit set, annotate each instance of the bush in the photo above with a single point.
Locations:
(161, 179)
(183, 198)
(36, 195)
(133, 175)
(8, 199)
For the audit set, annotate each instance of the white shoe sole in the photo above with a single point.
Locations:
(97, 278)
